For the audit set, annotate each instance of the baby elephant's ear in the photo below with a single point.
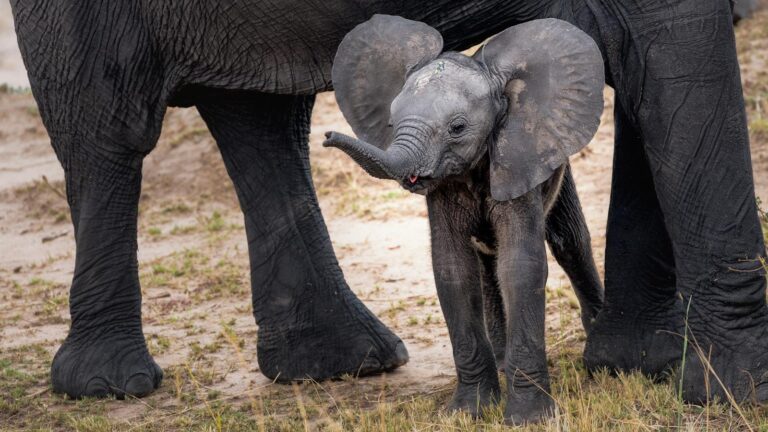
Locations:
(370, 69)
(553, 77)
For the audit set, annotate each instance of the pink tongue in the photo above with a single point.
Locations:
(413, 179)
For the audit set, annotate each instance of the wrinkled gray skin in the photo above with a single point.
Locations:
(488, 254)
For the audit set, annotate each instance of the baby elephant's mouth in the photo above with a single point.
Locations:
(417, 184)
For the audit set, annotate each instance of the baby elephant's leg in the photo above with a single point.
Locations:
(493, 304)
(458, 286)
(569, 240)
(522, 275)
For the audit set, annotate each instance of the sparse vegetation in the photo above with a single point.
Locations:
(187, 135)
(182, 230)
(8, 89)
(45, 200)
(193, 273)
(177, 208)
(602, 402)
(215, 222)
(759, 129)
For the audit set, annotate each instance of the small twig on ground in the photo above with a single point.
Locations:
(38, 393)
(53, 188)
(53, 237)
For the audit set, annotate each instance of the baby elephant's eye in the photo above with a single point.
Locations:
(457, 128)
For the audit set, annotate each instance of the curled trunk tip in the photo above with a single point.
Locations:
(392, 164)
(369, 157)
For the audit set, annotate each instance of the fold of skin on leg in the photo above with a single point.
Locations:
(568, 237)
(105, 351)
(311, 325)
(522, 275)
(641, 325)
(678, 77)
(457, 278)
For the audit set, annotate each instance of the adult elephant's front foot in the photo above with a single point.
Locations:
(105, 352)
(311, 325)
(736, 362)
(648, 341)
(99, 366)
(341, 337)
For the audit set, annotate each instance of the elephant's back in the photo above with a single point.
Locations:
(274, 47)
(278, 46)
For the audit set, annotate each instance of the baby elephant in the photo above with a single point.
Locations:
(487, 139)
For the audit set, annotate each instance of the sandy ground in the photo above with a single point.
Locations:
(12, 70)
(192, 248)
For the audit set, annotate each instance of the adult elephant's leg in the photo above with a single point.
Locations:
(105, 351)
(640, 325)
(310, 322)
(690, 111)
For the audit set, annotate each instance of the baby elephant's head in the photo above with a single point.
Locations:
(531, 97)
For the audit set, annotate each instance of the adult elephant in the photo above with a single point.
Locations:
(682, 219)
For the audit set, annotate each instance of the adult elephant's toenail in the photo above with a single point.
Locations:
(96, 387)
(401, 355)
(139, 385)
(370, 365)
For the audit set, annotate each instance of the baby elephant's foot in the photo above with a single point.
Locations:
(473, 398)
(528, 394)
(118, 365)
(529, 407)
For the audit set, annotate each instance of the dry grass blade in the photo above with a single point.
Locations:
(708, 366)
(300, 405)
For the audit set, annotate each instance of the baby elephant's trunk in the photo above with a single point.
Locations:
(393, 164)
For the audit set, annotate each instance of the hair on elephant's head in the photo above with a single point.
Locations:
(531, 96)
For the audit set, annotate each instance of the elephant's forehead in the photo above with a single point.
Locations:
(446, 76)
(442, 87)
